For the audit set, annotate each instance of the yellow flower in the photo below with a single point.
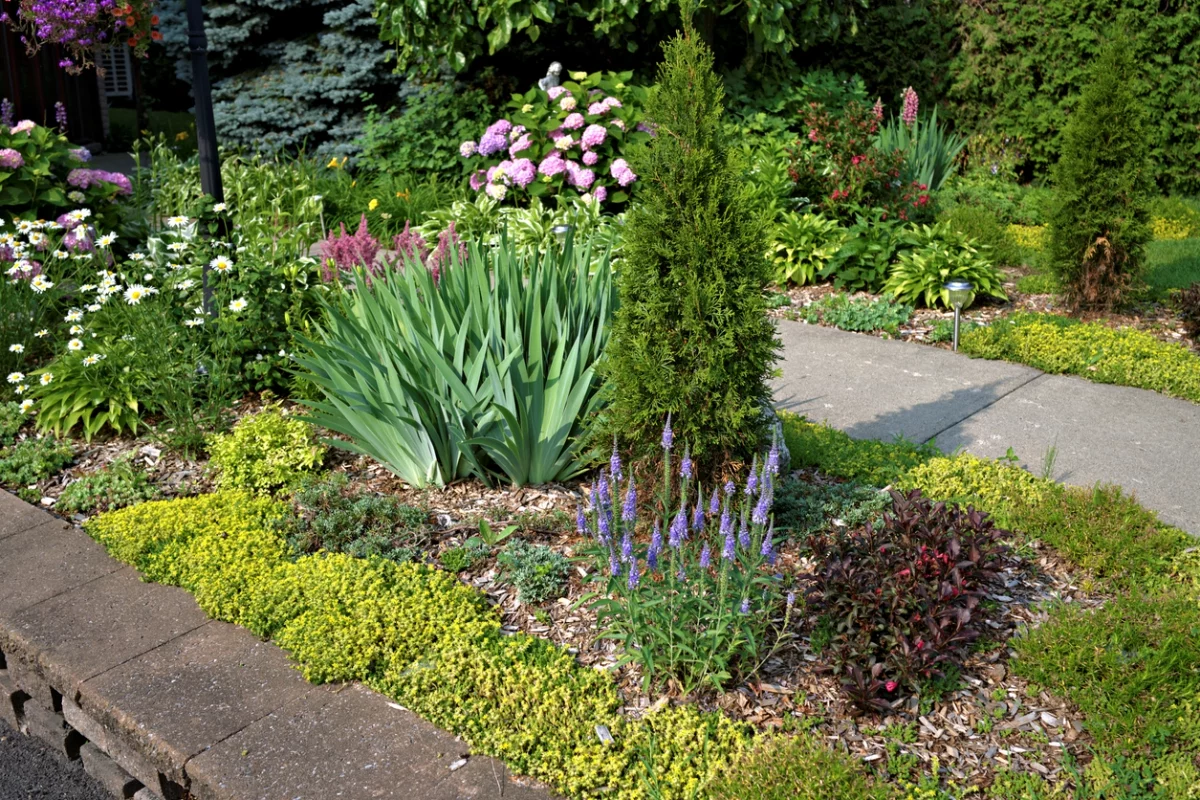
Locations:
(579, 75)
(374, 204)
(527, 108)
(403, 194)
(181, 136)
(333, 164)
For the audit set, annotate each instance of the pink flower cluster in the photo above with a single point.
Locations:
(622, 172)
(344, 252)
(87, 178)
(911, 104)
(11, 159)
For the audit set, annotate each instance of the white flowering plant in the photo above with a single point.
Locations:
(570, 139)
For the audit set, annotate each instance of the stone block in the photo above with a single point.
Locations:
(107, 773)
(182, 698)
(45, 561)
(17, 516)
(90, 729)
(52, 729)
(8, 709)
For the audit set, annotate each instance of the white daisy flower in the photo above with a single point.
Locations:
(106, 240)
(16, 348)
(220, 207)
(94, 307)
(26, 404)
(42, 334)
(16, 377)
(74, 315)
(136, 294)
(40, 284)
(79, 214)
(177, 247)
(238, 305)
(137, 256)
(176, 222)
(92, 360)
(46, 378)
(21, 389)
(184, 285)
(88, 287)
(75, 345)
(76, 330)
(221, 264)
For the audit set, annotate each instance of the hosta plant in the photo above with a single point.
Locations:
(488, 371)
(801, 246)
(863, 260)
(901, 598)
(936, 255)
(701, 602)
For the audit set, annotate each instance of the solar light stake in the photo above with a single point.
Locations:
(959, 294)
(560, 233)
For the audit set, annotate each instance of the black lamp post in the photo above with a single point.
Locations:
(206, 127)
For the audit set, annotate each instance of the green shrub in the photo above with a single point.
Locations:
(539, 573)
(265, 452)
(423, 137)
(864, 460)
(11, 420)
(118, 485)
(691, 336)
(486, 370)
(456, 559)
(859, 314)
(799, 767)
(1124, 356)
(1132, 667)
(936, 255)
(33, 460)
(802, 245)
(329, 516)
(864, 260)
(1099, 228)
(981, 225)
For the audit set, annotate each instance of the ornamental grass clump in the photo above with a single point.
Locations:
(899, 597)
(700, 604)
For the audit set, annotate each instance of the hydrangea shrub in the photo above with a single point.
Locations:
(572, 138)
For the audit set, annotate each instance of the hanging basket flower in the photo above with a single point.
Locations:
(85, 27)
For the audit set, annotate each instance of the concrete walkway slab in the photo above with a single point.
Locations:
(45, 561)
(347, 741)
(86, 631)
(1145, 442)
(17, 516)
(871, 388)
(880, 389)
(180, 699)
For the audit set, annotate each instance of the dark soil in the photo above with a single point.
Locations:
(29, 769)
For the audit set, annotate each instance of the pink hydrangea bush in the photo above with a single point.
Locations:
(570, 139)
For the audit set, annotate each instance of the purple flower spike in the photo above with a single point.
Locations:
(761, 509)
(615, 462)
(634, 576)
(726, 523)
(655, 548)
(605, 497)
(629, 512)
(767, 547)
(729, 547)
(729, 488)
(745, 609)
(580, 520)
(791, 599)
(686, 468)
(627, 547)
(594, 498)
(668, 437)
(681, 576)
(705, 556)
(60, 116)
(773, 459)
(678, 530)
(752, 481)
(604, 530)
(698, 518)
(744, 533)
(614, 566)
(714, 503)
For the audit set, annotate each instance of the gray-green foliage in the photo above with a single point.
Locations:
(860, 314)
(488, 372)
(331, 516)
(33, 460)
(802, 508)
(118, 485)
(538, 573)
(691, 336)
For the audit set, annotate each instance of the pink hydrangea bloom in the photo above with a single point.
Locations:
(594, 136)
(590, 158)
(573, 121)
(552, 165)
(467, 149)
(24, 126)
(478, 178)
(11, 159)
(600, 193)
(596, 109)
(621, 171)
(579, 177)
(556, 91)
(496, 191)
(613, 102)
(618, 123)
(564, 142)
(86, 178)
(523, 172)
(523, 143)
(491, 143)
(81, 154)
(500, 127)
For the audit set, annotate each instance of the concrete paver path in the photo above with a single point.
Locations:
(879, 389)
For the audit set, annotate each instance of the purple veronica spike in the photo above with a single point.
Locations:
(761, 509)
(729, 487)
(668, 437)
(745, 609)
(686, 468)
(60, 116)
(605, 531)
(655, 548)
(791, 599)
(614, 566)
(698, 518)
(629, 512)
(627, 547)
(681, 576)
(594, 498)
(773, 459)
(767, 546)
(729, 547)
(744, 533)
(752, 481)
(714, 503)
(614, 463)
(705, 556)
(605, 497)
(580, 520)
(678, 530)
(633, 574)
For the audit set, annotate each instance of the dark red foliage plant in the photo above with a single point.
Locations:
(900, 600)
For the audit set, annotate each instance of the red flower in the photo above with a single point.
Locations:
(891, 686)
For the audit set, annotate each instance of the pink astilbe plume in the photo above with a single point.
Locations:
(442, 254)
(347, 252)
(409, 245)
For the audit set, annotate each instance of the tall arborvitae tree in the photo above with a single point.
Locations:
(691, 336)
(1100, 225)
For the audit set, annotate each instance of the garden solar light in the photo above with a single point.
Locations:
(560, 233)
(959, 294)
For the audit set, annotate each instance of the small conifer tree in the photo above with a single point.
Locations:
(691, 336)
(1100, 224)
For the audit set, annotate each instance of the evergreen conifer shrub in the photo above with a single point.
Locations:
(1100, 224)
(691, 336)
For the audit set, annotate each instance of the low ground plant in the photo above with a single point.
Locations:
(12, 418)
(265, 453)
(797, 767)
(803, 508)
(32, 460)
(537, 572)
(118, 485)
(859, 314)
(457, 559)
